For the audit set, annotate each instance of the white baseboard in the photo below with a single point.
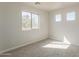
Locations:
(24, 44)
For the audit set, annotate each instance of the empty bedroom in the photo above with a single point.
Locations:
(39, 29)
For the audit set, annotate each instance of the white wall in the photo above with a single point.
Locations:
(13, 35)
(69, 29)
(2, 41)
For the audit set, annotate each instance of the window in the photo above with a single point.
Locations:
(58, 17)
(26, 21)
(29, 21)
(35, 23)
(71, 16)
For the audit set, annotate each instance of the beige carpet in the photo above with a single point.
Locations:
(45, 48)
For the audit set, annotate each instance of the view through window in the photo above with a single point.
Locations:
(58, 17)
(71, 16)
(29, 21)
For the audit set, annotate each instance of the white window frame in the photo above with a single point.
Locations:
(69, 16)
(31, 21)
(58, 17)
(38, 21)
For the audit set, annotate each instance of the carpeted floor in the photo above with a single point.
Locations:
(45, 48)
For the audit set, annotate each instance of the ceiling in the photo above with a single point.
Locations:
(48, 6)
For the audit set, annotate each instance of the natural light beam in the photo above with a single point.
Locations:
(66, 40)
(60, 45)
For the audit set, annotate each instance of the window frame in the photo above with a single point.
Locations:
(58, 16)
(23, 23)
(31, 20)
(68, 15)
(38, 21)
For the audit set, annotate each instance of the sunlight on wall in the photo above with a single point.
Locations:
(66, 40)
(60, 45)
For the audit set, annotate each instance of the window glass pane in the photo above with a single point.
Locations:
(35, 21)
(58, 17)
(71, 16)
(26, 21)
